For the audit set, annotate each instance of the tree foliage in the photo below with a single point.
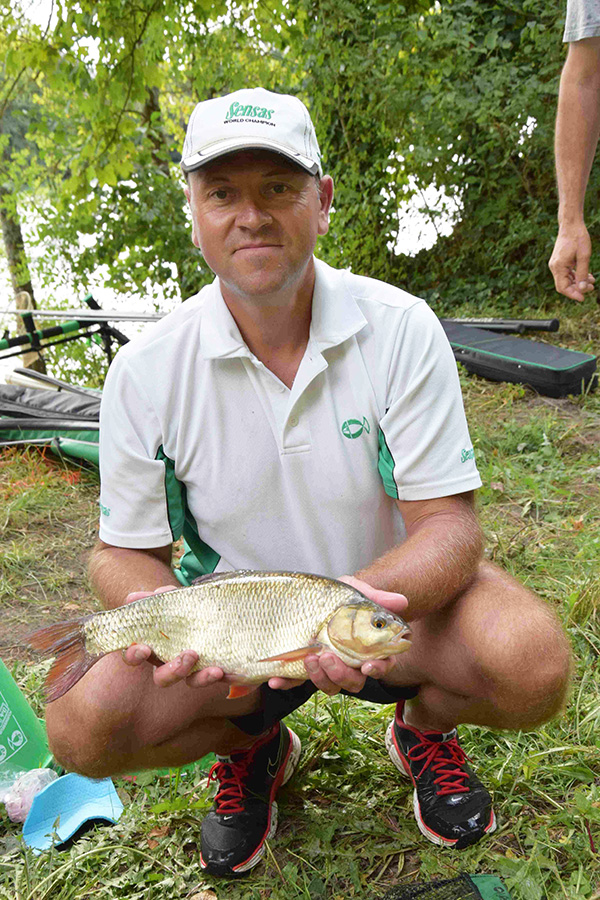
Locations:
(482, 127)
(456, 93)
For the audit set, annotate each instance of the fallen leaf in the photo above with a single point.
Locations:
(204, 895)
(578, 524)
(159, 831)
(152, 844)
(497, 486)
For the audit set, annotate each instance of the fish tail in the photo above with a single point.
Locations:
(66, 642)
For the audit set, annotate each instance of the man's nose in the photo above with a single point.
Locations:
(252, 213)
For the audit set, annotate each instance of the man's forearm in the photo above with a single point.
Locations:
(577, 128)
(116, 572)
(436, 562)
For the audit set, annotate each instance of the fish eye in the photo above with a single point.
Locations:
(378, 622)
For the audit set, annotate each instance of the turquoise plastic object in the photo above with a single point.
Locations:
(61, 808)
(23, 742)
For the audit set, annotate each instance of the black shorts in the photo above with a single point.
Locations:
(276, 705)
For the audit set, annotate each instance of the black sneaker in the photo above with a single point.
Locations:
(452, 807)
(244, 814)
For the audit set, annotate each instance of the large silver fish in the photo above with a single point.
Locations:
(254, 625)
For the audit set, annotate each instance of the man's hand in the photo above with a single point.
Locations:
(177, 669)
(328, 672)
(570, 262)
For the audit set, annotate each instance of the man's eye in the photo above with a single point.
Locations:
(220, 194)
(279, 188)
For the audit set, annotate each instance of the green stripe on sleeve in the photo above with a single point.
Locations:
(174, 494)
(198, 558)
(386, 467)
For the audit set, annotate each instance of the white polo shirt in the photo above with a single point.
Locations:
(198, 437)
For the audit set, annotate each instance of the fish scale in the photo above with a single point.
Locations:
(253, 625)
(264, 615)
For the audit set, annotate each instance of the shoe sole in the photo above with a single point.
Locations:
(404, 769)
(290, 767)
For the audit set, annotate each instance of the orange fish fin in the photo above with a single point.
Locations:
(240, 690)
(65, 641)
(293, 655)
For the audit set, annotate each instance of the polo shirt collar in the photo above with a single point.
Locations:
(335, 317)
(220, 337)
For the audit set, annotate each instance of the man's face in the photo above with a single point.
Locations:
(256, 218)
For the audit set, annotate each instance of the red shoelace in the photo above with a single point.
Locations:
(446, 759)
(230, 775)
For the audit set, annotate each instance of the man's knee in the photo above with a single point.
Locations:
(527, 668)
(89, 745)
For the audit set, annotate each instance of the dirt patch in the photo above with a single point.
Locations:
(48, 528)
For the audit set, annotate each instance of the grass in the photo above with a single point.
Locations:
(347, 829)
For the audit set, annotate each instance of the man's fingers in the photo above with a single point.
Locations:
(377, 668)
(204, 677)
(284, 684)
(564, 277)
(390, 600)
(139, 595)
(136, 654)
(176, 669)
(570, 262)
(395, 603)
(331, 675)
(582, 268)
(571, 291)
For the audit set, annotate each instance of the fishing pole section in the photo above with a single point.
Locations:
(94, 325)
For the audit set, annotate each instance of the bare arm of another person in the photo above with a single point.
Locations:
(120, 575)
(431, 567)
(577, 130)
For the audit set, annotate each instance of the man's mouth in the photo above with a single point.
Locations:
(257, 247)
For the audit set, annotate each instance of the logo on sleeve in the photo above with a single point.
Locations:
(104, 509)
(353, 428)
(467, 454)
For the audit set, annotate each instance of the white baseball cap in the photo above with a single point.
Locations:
(252, 118)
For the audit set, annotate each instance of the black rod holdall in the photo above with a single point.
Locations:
(550, 370)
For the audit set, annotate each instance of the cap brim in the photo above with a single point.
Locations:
(61, 808)
(197, 160)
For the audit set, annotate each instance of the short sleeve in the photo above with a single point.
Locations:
(425, 450)
(135, 474)
(583, 20)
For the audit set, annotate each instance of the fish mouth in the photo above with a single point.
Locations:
(402, 636)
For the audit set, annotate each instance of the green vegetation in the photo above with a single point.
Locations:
(346, 819)
(459, 94)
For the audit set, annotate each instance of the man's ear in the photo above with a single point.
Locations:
(325, 200)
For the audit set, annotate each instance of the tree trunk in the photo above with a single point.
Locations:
(19, 268)
(151, 117)
(31, 359)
